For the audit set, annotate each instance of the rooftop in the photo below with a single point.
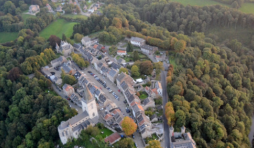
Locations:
(112, 138)
(73, 120)
(121, 51)
(137, 39)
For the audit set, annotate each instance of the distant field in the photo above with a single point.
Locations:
(8, 36)
(241, 34)
(58, 28)
(247, 8)
(198, 2)
(26, 16)
(75, 16)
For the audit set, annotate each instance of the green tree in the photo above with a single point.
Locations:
(135, 71)
(154, 144)
(125, 70)
(135, 56)
(64, 38)
(78, 37)
(179, 46)
(146, 67)
(129, 47)
(126, 143)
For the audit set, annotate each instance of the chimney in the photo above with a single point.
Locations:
(182, 129)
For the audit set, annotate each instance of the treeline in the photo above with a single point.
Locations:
(29, 117)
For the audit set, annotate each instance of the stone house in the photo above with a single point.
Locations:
(137, 41)
(111, 75)
(148, 49)
(33, 9)
(59, 61)
(68, 90)
(86, 41)
(65, 48)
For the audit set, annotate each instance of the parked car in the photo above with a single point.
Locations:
(89, 71)
(124, 101)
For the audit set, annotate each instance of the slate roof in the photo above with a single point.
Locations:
(73, 120)
(77, 46)
(102, 98)
(121, 77)
(137, 39)
(147, 47)
(146, 101)
(82, 126)
(115, 66)
(99, 64)
(124, 85)
(91, 88)
(66, 68)
(104, 69)
(97, 92)
(112, 72)
(86, 39)
(60, 59)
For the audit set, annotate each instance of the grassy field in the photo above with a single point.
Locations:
(198, 2)
(247, 8)
(8, 36)
(51, 92)
(241, 34)
(58, 28)
(26, 16)
(75, 16)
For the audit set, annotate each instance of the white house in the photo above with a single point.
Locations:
(137, 41)
(34, 9)
(87, 42)
(121, 52)
(91, 10)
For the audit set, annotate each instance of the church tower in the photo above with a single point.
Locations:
(89, 105)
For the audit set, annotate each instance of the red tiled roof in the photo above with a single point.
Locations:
(95, 46)
(116, 111)
(155, 91)
(140, 107)
(112, 138)
(107, 117)
(68, 88)
(121, 51)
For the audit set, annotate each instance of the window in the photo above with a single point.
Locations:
(93, 114)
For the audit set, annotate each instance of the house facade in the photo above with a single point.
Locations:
(68, 90)
(65, 48)
(59, 61)
(148, 49)
(137, 41)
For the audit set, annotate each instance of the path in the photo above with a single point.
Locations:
(165, 100)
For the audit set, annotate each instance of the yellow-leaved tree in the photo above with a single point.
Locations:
(128, 126)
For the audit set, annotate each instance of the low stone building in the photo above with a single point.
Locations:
(33, 9)
(59, 61)
(68, 90)
(136, 41)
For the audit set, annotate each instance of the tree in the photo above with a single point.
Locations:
(128, 126)
(14, 73)
(113, 50)
(146, 67)
(117, 22)
(126, 143)
(135, 56)
(125, 70)
(64, 37)
(129, 47)
(179, 46)
(170, 113)
(154, 144)
(135, 71)
(53, 40)
(78, 37)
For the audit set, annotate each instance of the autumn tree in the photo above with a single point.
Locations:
(170, 113)
(125, 70)
(14, 73)
(179, 46)
(78, 37)
(146, 67)
(79, 60)
(53, 40)
(135, 71)
(154, 144)
(128, 126)
(117, 22)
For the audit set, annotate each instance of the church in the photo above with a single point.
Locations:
(72, 128)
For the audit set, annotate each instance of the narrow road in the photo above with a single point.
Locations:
(165, 100)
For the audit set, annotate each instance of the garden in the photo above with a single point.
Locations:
(153, 137)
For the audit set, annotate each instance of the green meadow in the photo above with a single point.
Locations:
(8, 36)
(58, 28)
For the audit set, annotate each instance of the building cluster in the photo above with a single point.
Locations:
(94, 7)
(181, 139)
(72, 128)
(155, 90)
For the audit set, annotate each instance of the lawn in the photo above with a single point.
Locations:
(198, 2)
(58, 28)
(106, 132)
(88, 4)
(75, 16)
(247, 8)
(8, 36)
(143, 95)
(51, 92)
(26, 16)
